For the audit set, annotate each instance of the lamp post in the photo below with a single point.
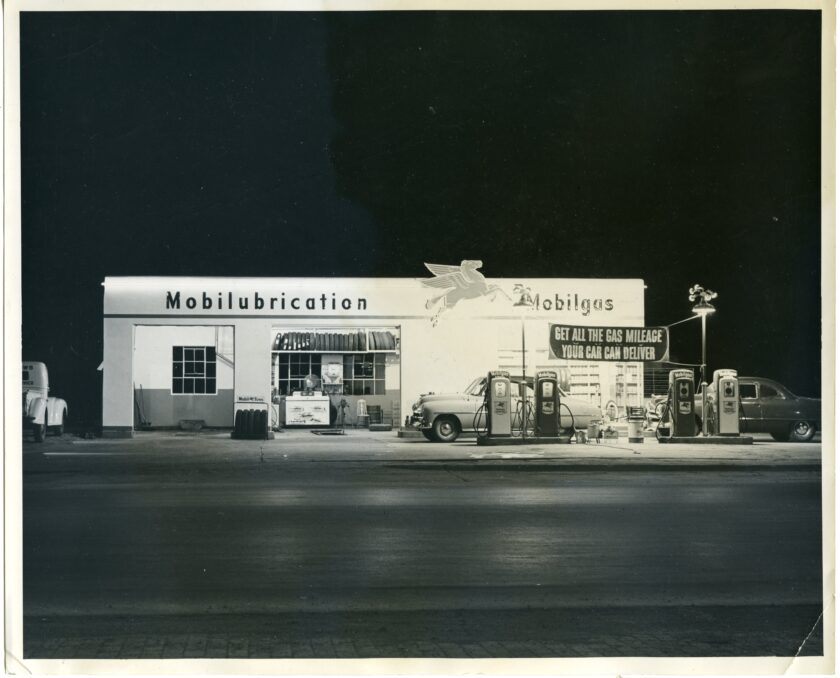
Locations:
(701, 298)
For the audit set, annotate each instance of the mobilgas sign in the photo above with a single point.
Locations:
(641, 344)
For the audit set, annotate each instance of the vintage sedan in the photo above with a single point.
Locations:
(445, 416)
(768, 407)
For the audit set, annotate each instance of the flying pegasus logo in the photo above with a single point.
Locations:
(459, 282)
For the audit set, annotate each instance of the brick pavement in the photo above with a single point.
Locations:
(679, 631)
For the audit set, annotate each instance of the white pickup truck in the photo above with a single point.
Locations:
(41, 413)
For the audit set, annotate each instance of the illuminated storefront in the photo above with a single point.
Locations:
(179, 349)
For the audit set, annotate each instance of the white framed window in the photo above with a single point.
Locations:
(193, 370)
(364, 374)
(292, 370)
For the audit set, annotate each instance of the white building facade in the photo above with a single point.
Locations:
(194, 349)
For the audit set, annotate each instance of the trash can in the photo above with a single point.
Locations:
(635, 424)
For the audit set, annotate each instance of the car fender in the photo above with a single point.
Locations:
(36, 410)
(456, 407)
(56, 407)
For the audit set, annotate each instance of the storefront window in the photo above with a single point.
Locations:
(364, 374)
(193, 370)
(293, 368)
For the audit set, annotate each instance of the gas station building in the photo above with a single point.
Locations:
(194, 349)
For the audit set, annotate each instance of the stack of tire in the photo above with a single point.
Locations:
(382, 341)
(248, 423)
(338, 342)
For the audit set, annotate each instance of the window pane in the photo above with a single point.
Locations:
(188, 353)
(177, 385)
(177, 369)
(348, 372)
(366, 388)
(747, 390)
(198, 354)
(189, 386)
(357, 388)
(379, 387)
(284, 359)
(177, 353)
(348, 388)
(210, 354)
(379, 371)
(211, 369)
(199, 385)
(284, 371)
(211, 386)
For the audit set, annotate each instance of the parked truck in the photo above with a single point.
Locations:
(41, 413)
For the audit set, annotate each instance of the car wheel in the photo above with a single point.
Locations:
(40, 430)
(802, 431)
(59, 430)
(446, 429)
(428, 435)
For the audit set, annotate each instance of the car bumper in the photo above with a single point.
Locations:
(419, 422)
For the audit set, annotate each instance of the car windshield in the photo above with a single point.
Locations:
(476, 387)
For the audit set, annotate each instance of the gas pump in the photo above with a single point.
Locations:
(727, 405)
(545, 400)
(681, 392)
(497, 403)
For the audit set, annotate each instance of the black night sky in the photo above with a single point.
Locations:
(677, 147)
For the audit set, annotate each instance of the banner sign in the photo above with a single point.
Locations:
(623, 344)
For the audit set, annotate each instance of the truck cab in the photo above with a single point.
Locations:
(41, 413)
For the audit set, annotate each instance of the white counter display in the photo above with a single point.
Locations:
(306, 410)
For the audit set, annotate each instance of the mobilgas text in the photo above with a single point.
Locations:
(571, 302)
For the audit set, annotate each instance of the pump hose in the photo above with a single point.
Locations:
(530, 418)
(559, 417)
(481, 433)
(522, 412)
(664, 414)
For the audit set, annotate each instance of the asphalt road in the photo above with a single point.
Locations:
(136, 554)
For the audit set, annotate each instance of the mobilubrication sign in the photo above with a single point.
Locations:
(576, 342)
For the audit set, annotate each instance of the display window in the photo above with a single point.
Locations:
(293, 368)
(364, 374)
